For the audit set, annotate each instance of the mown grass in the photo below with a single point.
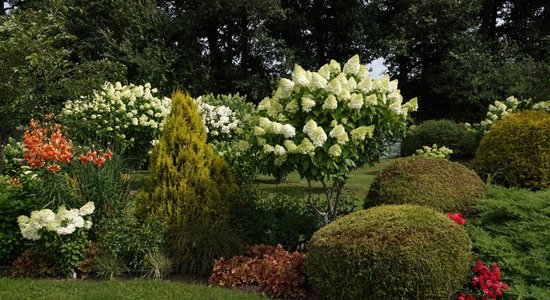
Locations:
(356, 187)
(21, 289)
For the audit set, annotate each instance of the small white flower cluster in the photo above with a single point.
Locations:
(219, 121)
(117, 108)
(498, 110)
(63, 222)
(434, 151)
(544, 105)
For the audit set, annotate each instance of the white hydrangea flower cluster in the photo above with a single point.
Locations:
(63, 222)
(117, 110)
(344, 97)
(434, 151)
(498, 110)
(544, 105)
(220, 121)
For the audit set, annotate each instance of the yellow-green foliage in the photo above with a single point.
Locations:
(188, 183)
(389, 252)
(433, 182)
(516, 151)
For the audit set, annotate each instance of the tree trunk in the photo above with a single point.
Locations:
(489, 18)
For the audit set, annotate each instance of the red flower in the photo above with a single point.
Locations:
(54, 168)
(15, 181)
(457, 218)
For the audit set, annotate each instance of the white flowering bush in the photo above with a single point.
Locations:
(62, 235)
(219, 120)
(434, 151)
(324, 124)
(130, 116)
(500, 109)
(229, 122)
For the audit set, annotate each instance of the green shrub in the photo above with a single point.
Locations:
(231, 137)
(443, 133)
(188, 187)
(389, 252)
(513, 231)
(187, 181)
(516, 151)
(14, 201)
(270, 218)
(194, 247)
(129, 243)
(13, 157)
(433, 182)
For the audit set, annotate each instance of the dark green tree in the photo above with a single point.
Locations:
(37, 73)
(132, 33)
(224, 46)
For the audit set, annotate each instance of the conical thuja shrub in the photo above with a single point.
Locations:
(188, 182)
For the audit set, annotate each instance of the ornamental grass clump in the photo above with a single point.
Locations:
(389, 252)
(516, 151)
(434, 182)
(327, 123)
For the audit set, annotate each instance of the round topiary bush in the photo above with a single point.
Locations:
(389, 252)
(432, 182)
(443, 133)
(516, 152)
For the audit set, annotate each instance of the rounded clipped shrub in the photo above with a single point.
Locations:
(443, 133)
(432, 182)
(516, 152)
(389, 252)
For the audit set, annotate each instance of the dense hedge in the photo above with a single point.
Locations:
(433, 182)
(516, 152)
(443, 133)
(389, 252)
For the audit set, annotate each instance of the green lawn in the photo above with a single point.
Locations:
(133, 289)
(356, 187)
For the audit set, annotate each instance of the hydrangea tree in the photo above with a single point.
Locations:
(327, 123)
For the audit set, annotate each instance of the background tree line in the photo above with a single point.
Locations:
(457, 56)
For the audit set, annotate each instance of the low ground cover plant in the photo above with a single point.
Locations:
(278, 272)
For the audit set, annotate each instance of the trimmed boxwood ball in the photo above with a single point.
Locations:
(433, 182)
(389, 252)
(516, 152)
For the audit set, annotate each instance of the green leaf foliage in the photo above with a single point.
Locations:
(389, 252)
